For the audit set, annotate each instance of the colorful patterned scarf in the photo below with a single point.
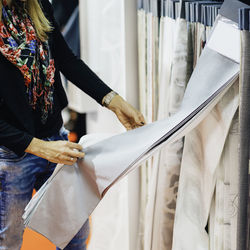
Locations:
(21, 46)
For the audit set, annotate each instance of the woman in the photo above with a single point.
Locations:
(32, 137)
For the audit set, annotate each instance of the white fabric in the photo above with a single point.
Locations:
(111, 159)
(168, 27)
(161, 184)
(166, 165)
(202, 153)
(224, 208)
(204, 168)
(103, 46)
(148, 85)
(78, 100)
(141, 16)
(225, 37)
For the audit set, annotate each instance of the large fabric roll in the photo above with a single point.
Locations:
(244, 182)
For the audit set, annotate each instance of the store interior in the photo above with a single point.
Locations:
(193, 193)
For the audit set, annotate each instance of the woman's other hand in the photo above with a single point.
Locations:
(63, 152)
(126, 113)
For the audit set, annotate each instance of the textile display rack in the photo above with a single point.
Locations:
(166, 62)
(168, 53)
(191, 54)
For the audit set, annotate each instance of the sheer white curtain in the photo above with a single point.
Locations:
(108, 44)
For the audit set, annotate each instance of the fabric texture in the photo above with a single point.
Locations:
(160, 176)
(180, 46)
(198, 174)
(108, 45)
(141, 17)
(18, 177)
(163, 184)
(224, 209)
(21, 46)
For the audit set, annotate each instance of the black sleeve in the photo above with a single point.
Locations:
(73, 68)
(13, 138)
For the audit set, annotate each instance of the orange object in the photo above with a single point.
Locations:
(35, 241)
(72, 137)
(90, 230)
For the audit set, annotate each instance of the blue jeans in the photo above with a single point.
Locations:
(18, 177)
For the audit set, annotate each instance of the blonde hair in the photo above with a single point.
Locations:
(41, 23)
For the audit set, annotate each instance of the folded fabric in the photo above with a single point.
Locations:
(66, 200)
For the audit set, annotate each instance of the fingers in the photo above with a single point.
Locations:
(65, 159)
(74, 145)
(70, 152)
(136, 120)
(75, 153)
(75, 150)
(130, 124)
(124, 120)
(139, 119)
(69, 160)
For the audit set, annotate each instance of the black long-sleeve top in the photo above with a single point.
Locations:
(18, 123)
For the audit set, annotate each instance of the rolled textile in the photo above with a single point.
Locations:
(244, 182)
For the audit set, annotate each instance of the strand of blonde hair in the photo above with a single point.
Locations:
(41, 23)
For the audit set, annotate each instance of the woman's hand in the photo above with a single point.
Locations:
(64, 152)
(126, 113)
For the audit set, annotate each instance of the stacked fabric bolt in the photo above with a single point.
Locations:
(244, 174)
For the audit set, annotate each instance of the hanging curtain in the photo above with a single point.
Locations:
(163, 184)
(208, 186)
(148, 46)
(223, 211)
(103, 47)
(182, 36)
(202, 154)
(78, 100)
